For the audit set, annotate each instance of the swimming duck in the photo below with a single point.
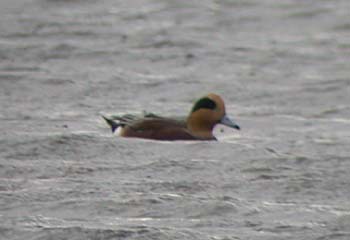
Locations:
(205, 114)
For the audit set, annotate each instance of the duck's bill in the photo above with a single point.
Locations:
(228, 122)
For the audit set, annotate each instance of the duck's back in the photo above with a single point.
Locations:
(156, 127)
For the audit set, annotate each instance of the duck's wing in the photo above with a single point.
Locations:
(152, 126)
(158, 129)
(136, 119)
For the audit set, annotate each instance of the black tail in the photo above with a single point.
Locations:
(111, 123)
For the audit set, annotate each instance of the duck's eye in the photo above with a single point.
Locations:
(204, 103)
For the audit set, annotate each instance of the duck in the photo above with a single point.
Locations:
(205, 114)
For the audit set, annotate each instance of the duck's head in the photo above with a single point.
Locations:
(205, 114)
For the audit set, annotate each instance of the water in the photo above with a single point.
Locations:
(282, 68)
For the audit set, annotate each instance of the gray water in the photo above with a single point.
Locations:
(282, 67)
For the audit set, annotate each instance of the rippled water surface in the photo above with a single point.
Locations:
(282, 67)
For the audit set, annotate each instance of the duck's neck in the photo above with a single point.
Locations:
(200, 129)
